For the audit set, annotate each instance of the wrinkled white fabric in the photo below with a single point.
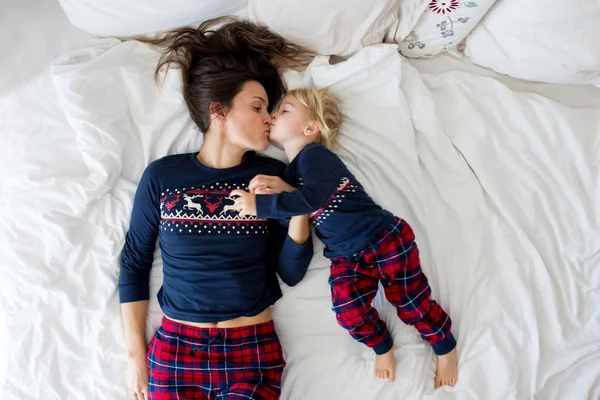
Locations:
(502, 188)
(138, 17)
(555, 41)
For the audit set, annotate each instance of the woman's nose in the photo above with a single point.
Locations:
(267, 118)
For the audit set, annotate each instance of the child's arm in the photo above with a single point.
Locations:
(321, 172)
(312, 196)
(279, 206)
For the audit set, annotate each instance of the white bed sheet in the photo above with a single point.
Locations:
(38, 32)
(31, 120)
(501, 186)
(571, 95)
(555, 41)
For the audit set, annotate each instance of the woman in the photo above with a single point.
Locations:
(217, 339)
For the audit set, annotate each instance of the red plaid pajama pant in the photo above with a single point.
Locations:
(186, 362)
(393, 260)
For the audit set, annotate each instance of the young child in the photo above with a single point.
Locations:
(365, 243)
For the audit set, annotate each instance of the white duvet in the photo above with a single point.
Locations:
(502, 188)
(554, 41)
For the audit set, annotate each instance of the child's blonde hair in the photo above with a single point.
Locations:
(323, 107)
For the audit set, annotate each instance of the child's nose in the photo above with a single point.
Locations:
(274, 116)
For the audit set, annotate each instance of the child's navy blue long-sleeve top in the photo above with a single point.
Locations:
(346, 219)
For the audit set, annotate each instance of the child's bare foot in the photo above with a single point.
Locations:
(385, 366)
(446, 372)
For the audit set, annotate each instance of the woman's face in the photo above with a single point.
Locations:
(289, 121)
(248, 122)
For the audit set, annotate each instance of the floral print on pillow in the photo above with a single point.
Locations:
(443, 6)
(443, 25)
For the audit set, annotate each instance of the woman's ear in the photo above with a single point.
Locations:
(217, 112)
(312, 129)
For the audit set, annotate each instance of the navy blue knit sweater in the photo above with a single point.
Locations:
(216, 264)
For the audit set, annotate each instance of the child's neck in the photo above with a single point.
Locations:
(293, 149)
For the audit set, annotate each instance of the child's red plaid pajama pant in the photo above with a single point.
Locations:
(393, 260)
(186, 362)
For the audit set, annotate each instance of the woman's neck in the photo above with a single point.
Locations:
(218, 153)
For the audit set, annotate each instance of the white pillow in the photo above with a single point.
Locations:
(334, 27)
(327, 26)
(555, 41)
(137, 17)
(410, 13)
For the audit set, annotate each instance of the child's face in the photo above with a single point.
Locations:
(289, 122)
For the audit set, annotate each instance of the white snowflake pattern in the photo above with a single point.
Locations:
(194, 221)
(322, 214)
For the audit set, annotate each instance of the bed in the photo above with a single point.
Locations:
(499, 178)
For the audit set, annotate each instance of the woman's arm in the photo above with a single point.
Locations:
(138, 254)
(295, 249)
(134, 326)
(299, 229)
(292, 249)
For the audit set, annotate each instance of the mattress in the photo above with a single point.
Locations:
(499, 179)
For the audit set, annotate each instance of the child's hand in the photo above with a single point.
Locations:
(245, 203)
(265, 184)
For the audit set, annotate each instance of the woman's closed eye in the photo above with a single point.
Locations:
(257, 109)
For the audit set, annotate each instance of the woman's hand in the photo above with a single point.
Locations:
(266, 184)
(137, 377)
(245, 203)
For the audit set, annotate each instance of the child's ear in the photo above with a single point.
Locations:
(312, 129)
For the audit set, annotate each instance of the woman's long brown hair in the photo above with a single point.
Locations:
(222, 54)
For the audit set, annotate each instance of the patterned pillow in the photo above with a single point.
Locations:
(442, 26)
